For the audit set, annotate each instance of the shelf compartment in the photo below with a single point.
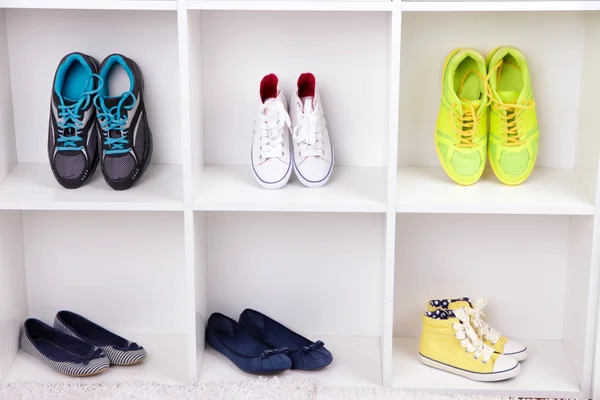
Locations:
(31, 186)
(277, 263)
(564, 178)
(92, 4)
(351, 189)
(536, 272)
(27, 181)
(97, 264)
(546, 373)
(547, 191)
(221, 39)
(356, 363)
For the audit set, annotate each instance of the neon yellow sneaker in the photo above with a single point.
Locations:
(462, 125)
(491, 337)
(449, 343)
(514, 131)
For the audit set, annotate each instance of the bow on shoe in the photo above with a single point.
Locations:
(316, 345)
(85, 360)
(272, 352)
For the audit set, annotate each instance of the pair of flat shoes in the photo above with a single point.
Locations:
(261, 345)
(76, 346)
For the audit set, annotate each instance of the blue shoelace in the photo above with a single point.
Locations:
(69, 118)
(112, 120)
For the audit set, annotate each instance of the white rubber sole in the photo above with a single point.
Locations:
(481, 377)
(518, 356)
(276, 185)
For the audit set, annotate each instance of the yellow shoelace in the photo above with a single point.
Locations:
(509, 114)
(469, 120)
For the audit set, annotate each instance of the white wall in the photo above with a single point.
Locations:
(122, 270)
(8, 156)
(317, 273)
(517, 262)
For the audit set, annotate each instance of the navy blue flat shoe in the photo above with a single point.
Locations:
(61, 352)
(248, 354)
(120, 351)
(305, 355)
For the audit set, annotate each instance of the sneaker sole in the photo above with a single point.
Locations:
(520, 356)
(475, 376)
(85, 376)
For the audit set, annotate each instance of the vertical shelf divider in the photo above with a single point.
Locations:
(389, 245)
(188, 184)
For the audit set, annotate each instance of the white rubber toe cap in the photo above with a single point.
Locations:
(516, 350)
(506, 364)
(314, 171)
(272, 173)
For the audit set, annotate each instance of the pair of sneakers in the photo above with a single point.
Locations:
(258, 344)
(76, 346)
(487, 109)
(310, 152)
(456, 339)
(89, 125)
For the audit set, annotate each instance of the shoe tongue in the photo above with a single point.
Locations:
(307, 103)
(508, 97)
(459, 304)
(466, 104)
(67, 102)
(111, 102)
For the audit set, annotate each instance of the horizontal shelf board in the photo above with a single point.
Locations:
(546, 373)
(356, 363)
(500, 5)
(92, 4)
(546, 192)
(164, 364)
(31, 186)
(233, 188)
(273, 5)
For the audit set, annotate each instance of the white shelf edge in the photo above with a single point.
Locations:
(31, 187)
(443, 209)
(219, 206)
(272, 5)
(430, 6)
(150, 5)
(80, 206)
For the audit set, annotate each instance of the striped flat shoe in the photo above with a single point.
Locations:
(119, 351)
(63, 353)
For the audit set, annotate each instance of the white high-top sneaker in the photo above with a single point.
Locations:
(271, 157)
(313, 152)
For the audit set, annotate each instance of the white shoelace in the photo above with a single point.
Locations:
(308, 133)
(273, 118)
(468, 339)
(485, 331)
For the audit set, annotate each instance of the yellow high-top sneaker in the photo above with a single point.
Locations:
(491, 337)
(449, 343)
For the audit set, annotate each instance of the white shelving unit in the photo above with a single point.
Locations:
(352, 263)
